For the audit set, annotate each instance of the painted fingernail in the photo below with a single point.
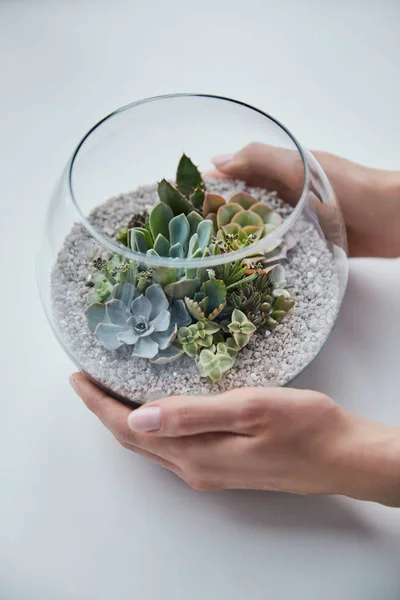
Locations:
(145, 419)
(222, 160)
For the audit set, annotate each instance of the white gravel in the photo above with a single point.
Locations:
(271, 358)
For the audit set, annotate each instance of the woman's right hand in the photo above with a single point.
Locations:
(369, 198)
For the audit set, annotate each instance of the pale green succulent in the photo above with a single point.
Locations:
(197, 336)
(242, 216)
(215, 361)
(241, 328)
(147, 322)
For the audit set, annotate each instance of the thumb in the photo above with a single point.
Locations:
(178, 416)
(270, 167)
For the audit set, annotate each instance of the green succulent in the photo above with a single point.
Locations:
(241, 328)
(215, 361)
(279, 309)
(264, 300)
(107, 274)
(242, 216)
(209, 302)
(197, 336)
(172, 236)
(189, 192)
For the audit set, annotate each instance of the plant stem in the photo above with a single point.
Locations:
(109, 277)
(237, 283)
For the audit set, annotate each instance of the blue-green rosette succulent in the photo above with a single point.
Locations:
(147, 322)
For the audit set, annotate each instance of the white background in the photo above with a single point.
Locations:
(81, 518)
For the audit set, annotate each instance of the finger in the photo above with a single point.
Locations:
(261, 165)
(237, 412)
(114, 416)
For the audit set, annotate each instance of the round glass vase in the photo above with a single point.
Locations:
(183, 317)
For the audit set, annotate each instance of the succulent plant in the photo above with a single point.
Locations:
(146, 322)
(197, 336)
(241, 328)
(241, 216)
(137, 220)
(189, 192)
(107, 274)
(264, 300)
(172, 236)
(209, 302)
(215, 361)
(246, 221)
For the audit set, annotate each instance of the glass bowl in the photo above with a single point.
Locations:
(223, 284)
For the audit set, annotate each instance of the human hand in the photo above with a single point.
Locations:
(253, 438)
(369, 198)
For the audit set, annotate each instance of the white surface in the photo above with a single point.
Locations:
(81, 518)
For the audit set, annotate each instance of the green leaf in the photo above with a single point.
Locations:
(179, 231)
(139, 241)
(159, 218)
(193, 245)
(172, 197)
(194, 220)
(226, 213)
(161, 245)
(215, 292)
(249, 328)
(278, 315)
(246, 217)
(164, 275)
(188, 177)
(197, 198)
(204, 232)
(239, 317)
(241, 339)
(245, 200)
(210, 327)
(206, 357)
(177, 251)
(262, 210)
(190, 349)
(95, 314)
(122, 237)
(183, 333)
(181, 289)
(212, 203)
(225, 362)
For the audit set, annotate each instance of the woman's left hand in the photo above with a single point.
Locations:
(255, 438)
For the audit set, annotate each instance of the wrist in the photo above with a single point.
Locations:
(366, 461)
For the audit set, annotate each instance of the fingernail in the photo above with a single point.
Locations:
(145, 419)
(222, 160)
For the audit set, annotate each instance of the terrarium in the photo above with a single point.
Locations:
(160, 277)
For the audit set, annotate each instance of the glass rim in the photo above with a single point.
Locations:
(270, 240)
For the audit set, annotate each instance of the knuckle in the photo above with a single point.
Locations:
(251, 413)
(180, 419)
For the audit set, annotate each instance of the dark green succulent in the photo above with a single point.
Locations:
(209, 302)
(264, 300)
(188, 195)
